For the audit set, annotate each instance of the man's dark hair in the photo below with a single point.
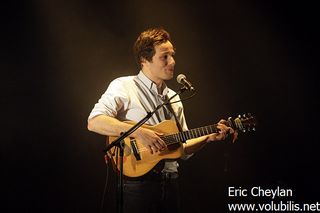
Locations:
(144, 46)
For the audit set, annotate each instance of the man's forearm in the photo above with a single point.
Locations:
(194, 145)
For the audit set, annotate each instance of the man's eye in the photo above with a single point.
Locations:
(164, 57)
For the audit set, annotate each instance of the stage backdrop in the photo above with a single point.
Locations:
(242, 56)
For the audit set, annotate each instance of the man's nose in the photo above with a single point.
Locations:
(171, 61)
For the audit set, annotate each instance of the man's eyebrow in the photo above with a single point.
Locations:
(168, 51)
(164, 51)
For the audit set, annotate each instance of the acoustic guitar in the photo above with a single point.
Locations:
(138, 160)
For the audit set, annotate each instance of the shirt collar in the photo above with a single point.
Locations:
(151, 85)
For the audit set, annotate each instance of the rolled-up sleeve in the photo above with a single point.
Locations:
(114, 99)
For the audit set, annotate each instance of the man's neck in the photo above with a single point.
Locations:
(158, 82)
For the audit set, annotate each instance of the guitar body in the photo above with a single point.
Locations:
(137, 159)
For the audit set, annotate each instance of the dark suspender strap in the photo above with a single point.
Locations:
(175, 117)
(156, 116)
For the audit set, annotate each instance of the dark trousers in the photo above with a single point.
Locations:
(159, 194)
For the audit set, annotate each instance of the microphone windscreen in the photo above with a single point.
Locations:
(180, 77)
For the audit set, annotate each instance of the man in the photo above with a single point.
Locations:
(129, 98)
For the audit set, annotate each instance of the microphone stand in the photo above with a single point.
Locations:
(119, 142)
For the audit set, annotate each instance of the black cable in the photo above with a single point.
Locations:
(105, 185)
(184, 99)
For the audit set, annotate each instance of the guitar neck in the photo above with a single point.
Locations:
(190, 134)
(243, 124)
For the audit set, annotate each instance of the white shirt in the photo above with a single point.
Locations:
(130, 97)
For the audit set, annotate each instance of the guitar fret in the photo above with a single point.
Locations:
(173, 139)
(205, 130)
(195, 133)
(184, 136)
(177, 137)
(181, 136)
(165, 139)
(189, 134)
(169, 141)
(203, 133)
(199, 133)
(192, 133)
(185, 133)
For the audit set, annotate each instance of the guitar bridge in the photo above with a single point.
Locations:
(135, 149)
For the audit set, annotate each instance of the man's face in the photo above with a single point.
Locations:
(161, 67)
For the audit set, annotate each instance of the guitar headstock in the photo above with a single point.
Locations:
(244, 123)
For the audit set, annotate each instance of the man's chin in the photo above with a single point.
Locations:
(169, 77)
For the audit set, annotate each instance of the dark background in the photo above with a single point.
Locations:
(58, 57)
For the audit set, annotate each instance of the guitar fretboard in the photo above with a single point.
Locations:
(186, 135)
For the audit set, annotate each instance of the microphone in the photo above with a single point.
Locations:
(182, 79)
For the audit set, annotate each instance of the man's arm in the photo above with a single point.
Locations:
(194, 145)
(106, 125)
(109, 126)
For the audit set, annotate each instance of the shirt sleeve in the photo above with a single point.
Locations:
(114, 99)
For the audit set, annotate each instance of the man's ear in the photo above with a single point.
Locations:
(143, 61)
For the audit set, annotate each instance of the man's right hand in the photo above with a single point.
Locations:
(150, 139)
